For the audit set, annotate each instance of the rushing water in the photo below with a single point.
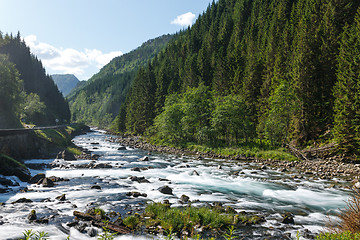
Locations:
(267, 192)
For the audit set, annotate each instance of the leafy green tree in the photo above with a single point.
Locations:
(33, 109)
(230, 119)
(11, 95)
(168, 124)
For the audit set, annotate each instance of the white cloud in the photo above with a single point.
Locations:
(185, 19)
(58, 60)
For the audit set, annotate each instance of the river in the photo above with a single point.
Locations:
(242, 185)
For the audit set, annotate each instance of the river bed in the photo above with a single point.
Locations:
(241, 185)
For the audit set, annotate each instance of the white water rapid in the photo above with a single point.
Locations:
(266, 192)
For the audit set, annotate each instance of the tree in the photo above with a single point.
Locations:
(347, 90)
(230, 119)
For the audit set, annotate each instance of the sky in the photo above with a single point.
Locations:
(81, 36)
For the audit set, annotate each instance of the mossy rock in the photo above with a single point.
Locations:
(12, 167)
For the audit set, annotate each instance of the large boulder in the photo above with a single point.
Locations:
(37, 178)
(66, 155)
(166, 190)
(47, 182)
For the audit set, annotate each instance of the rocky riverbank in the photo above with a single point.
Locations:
(316, 168)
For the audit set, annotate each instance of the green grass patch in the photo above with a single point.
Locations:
(9, 162)
(74, 150)
(177, 220)
(339, 236)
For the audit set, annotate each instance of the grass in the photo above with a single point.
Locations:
(349, 225)
(339, 236)
(60, 138)
(177, 220)
(251, 150)
(8, 162)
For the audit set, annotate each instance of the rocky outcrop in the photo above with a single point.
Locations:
(66, 155)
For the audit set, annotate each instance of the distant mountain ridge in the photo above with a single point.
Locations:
(97, 101)
(65, 82)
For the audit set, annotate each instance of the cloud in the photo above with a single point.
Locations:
(58, 60)
(185, 19)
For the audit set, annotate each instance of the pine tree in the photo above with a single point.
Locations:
(347, 90)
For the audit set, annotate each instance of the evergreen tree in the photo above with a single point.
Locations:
(347, 90)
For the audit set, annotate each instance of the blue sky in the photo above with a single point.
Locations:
(81, 36)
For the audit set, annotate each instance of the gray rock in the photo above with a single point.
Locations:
(184, 198)
(37, 178)
(166, 190)
(288, 218)
(47, 182)
(61, 197)
(144, 159)
(32, 216)
(7, 182)
(96, 187)
(66, 155)
(121, 148)
(22, 200)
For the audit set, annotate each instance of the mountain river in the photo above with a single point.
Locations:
(267, 192)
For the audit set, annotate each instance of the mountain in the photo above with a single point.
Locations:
(289, 67)
(98, 101)
(65, 82)
(27, 92)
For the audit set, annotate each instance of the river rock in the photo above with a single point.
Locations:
(136, 169)
(23, 200)
(92, 232)
(184, 198)
(165, 190)
(96, 187)
(195, 173)
(32, 216)
(357, 185)
(37, 178)
(139, 179)
(62, 197)
(144, 159)
(136, 194)
(102, 165)
(66, 155)
(288, 218)
(7, 182)
(47, 182)
(121, 148)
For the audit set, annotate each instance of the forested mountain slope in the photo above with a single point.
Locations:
(98, 101)
(282, 71)
(65, 82)
(27, 92)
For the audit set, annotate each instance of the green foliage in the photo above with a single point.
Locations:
(106, 235)
(338, 236)
(35, 82)
(132, 222)
(229, 235)
(98, 101)
(347, 90)
(11, 95)
(175, 220)
(270, 69)
(8, 162)
(30, 235)
(33, 109)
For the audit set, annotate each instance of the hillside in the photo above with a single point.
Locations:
(98, 101)
(27, 92)
(265, 71)
(65, 82)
